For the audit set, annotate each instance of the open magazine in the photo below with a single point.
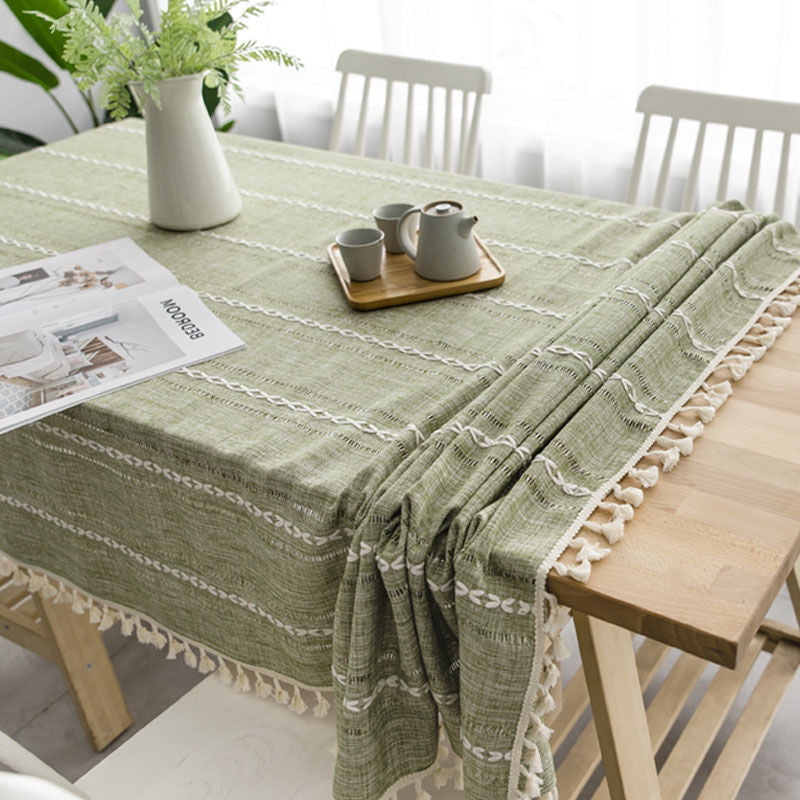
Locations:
(81, 324)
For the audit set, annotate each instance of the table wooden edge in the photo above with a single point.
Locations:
(737, 498)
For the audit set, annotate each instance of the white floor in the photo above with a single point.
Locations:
(263, 744)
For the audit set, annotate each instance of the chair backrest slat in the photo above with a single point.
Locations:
(409, 140)
(690, 192)
(462, 138)
(447, 155)
(783, 171)
(666, 161)
(472, 81)
(387, 121)
(429, 127)
(361, 133)
(336, 132)
(471, 157)
(725, 169)
(638, 161)
(755, 168)
(718, 109)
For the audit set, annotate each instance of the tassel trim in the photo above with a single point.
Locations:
(668, 449)
(242, 677)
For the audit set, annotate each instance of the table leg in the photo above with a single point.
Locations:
(80, 653)
(793, 584)
(618, 709)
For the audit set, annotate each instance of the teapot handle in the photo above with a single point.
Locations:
(403, 234)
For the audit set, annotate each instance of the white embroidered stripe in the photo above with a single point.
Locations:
(708, 262)
(561, 256)
(563, 350)
(482, 753)
(780, 248)
(27, 246)
(631, 392)
(392, 682)
(245, 192)
(522, 306)
(318, 165)
(700, 345)
(189, 482)
(351, 334)
(745, 214)
(491, 601)
(686, 246)
(284, 251)
(75, 201)
(648, 303)
(558, 479)
(303, 408)
(49, 151)
(348, 213)
(399, 563)
(482, 440)
(389, 345)
(509, 605)
(735, 278)
(159, 566)
(426, 185)
(440, 587)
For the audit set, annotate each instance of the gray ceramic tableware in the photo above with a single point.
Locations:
(386, 218)
(446, 250)
(362, 252)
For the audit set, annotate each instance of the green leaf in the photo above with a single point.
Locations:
(227, 126)
(104, 6)
(52, 42)
(12, 142)
(23, 66)
(211, 99)
(222, 21)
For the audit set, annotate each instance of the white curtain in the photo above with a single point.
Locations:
(566, 73)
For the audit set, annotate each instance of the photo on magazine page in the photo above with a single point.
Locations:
(95, 273)
(48, 367)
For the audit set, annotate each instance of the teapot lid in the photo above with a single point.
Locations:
(442, 208)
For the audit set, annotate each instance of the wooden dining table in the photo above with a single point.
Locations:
(697, 570)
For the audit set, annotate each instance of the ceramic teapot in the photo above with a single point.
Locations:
(446, 250)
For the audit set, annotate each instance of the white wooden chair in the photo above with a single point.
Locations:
(728, 110)
(36, 781)
(471, 82)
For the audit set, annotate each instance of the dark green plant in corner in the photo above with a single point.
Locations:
(27, 68)
(195, 36)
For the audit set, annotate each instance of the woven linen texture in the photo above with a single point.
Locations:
(363, 501)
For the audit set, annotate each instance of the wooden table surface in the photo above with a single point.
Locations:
(715, 539)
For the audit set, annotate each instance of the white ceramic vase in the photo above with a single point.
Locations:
(189, 182)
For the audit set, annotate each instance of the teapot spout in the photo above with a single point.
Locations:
(466, 224)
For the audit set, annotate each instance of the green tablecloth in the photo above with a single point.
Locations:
(370, 501)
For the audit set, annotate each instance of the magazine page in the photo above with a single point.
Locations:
(50, 362)
(103, 273)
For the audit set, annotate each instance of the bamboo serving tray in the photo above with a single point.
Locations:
(398, 282)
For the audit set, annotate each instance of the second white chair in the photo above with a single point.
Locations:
(470, 82)
(727, 110)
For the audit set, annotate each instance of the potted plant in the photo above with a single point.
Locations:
(189, 183)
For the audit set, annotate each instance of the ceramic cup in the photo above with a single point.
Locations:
(386, 218)
(362, 252)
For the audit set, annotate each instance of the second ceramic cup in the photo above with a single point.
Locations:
(386, 218)
(362, 252)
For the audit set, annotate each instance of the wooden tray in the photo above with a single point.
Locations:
(398, 283)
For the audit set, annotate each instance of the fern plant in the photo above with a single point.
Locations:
(196, 36)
